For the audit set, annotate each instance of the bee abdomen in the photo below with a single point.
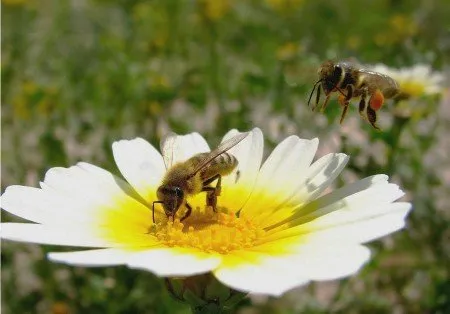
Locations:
(223, 164)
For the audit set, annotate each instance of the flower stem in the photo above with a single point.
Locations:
(204, 293)
(207, 308)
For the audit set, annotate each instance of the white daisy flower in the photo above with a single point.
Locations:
(286, 233)
(419, 80)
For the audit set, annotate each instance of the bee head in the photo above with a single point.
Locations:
(172, 197)
(331, 74)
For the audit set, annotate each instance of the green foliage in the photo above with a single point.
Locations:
(77, 76)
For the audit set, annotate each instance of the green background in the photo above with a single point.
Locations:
(78, 75)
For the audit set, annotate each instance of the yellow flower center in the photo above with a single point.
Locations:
(219, 232)
(129, 225)
(412, 88)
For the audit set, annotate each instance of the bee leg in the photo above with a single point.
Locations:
(188, 212)
(350, 89)
(344, 101)
(153, 209)
(212, 192)
(211, 197)
(217, 188)
(153, 212)
(219, 185)
(362, 105)
(372, 117)
(325, 103)
(375, 102)
(317, 97)
(344, 112)
(211, 200)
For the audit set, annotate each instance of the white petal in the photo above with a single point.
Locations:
(269, 276)
(40, 234)
(320, 176)
(169, 262)
(329, 263)
(85, 182)
(337, 207)
(359, 228)
(91, 258)
(186, 146)
(282, 174)
(288, 163)
(275, 275)
(140, 163)
(350, 189)
(36, 205)
(68, 197)
(105, 177)
(249, 155)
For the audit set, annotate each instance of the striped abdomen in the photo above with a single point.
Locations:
(223, 165)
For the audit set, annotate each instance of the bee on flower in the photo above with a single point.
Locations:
(272, 228)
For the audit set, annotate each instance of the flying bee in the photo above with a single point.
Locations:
(194, 176)
(352, 81)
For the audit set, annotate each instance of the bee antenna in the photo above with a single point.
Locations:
(312, 92)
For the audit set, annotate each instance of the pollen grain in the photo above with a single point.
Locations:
(207, 231)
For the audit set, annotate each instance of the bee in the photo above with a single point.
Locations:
(194, 176)
(352, 81)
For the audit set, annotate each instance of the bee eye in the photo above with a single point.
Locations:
(178, 192)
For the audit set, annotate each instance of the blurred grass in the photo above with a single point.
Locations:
(77, 75)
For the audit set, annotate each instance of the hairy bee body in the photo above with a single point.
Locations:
(178, 176)
(222, 165)
(351, 81)
(195, 175)
(180, 173)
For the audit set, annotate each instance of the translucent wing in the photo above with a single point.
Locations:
(372, 73)
(382, 81)
(167, 145)
(223, 147)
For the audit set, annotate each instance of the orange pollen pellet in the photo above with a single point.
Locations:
(376, 100)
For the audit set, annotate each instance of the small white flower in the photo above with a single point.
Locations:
(417, 81)
(286, 234)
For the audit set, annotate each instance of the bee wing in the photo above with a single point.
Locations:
(223, 147)
(375, 75)
(168, 145)
(382, 81)
(370, 72)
